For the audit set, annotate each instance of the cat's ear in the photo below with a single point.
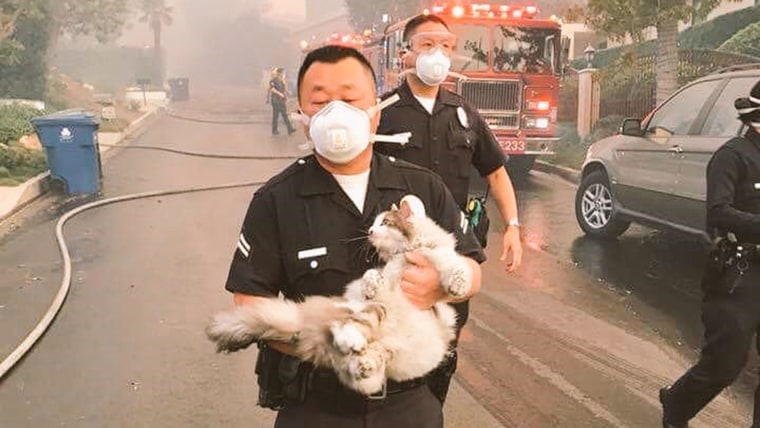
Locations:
(414, 206)
(405, 210)
(394, 207)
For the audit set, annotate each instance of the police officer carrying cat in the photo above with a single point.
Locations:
(731, 305)
(448, 136)
(305, 234)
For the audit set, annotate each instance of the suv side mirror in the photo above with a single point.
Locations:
(631, 127)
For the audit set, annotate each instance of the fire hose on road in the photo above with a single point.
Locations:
(42, 326)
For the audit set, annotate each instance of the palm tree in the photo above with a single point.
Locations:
(157, 14)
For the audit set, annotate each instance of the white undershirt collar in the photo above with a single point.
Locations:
(355, 187)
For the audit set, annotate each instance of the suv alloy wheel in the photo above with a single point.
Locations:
(595, 208)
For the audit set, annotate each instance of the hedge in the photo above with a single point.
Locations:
(746, 41)
(708, 35)
(713, 33)
(17, 163)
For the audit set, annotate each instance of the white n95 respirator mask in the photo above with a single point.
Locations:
(340, 131)
(432, 67)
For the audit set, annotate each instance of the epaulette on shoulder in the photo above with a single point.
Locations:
(291, 170)
(388, 94)
(400, 163)
(459, 99)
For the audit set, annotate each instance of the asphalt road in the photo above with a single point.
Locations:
(582, 336)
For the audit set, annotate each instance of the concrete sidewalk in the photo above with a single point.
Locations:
(12, 199)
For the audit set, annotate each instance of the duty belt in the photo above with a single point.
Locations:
(324, 382)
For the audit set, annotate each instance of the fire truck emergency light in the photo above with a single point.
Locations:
(478, 9)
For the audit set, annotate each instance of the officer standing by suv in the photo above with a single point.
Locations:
(731, 305)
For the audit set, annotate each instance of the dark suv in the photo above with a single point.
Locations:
(653, 171)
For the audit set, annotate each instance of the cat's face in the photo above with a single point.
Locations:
(391, 232)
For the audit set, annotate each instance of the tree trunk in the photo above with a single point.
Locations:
(157, 66)
(157, 36)
(667, 58)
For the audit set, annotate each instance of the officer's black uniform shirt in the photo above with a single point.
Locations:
(302, 235)
(733, 188)
(441, 141)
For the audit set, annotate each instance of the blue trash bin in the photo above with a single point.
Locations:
(70, 139)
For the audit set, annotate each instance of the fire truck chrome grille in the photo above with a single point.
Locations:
(500, 95)
(501, 121)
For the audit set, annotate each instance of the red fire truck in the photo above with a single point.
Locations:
(512, 63)
(371, 45)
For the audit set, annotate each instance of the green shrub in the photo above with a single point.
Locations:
(746, 41)
(569, 151)
(707, 35)
(15, 122)
(603, 128)
(713, 33)
(4, 172)
(20, 163)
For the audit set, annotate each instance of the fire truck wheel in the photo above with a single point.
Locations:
(595, 208)
(519, 166)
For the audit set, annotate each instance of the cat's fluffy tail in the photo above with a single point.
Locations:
(267, 319)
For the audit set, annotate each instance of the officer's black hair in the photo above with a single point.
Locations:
(333, 54)
(418, 20)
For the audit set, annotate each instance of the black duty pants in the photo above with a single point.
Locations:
(730, 321)
(415, 408)
(279, 109)
(439, 379)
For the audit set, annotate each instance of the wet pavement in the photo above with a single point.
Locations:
(582, 336)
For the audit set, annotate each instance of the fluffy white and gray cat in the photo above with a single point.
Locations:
(372, 332)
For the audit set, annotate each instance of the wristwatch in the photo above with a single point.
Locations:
(513, 222)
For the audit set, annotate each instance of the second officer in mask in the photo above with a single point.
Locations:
(448, 136)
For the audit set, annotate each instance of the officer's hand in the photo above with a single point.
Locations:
(512, 253)
(421, 281)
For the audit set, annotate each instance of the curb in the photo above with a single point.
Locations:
(28, 191)
(25, 193)
(569, 174)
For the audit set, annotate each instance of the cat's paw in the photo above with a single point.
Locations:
(458, 282)
(348, 338)
(372, 281)
(364, 368)
(368, 364)
(367, 370)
